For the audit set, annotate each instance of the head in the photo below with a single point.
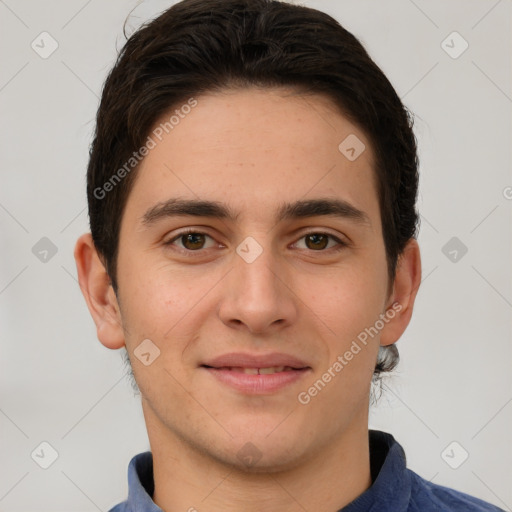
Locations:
(249, 107)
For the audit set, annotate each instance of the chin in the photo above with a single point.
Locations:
(262, 458)
(263, 449)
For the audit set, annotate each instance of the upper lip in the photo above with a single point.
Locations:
(245, 360)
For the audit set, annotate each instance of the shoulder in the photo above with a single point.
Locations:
(426, 497)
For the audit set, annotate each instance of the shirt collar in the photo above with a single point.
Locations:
(141, 484)
(391, 482)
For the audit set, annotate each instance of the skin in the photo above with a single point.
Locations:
(252, 149)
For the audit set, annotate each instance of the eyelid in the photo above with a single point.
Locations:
(339, 237)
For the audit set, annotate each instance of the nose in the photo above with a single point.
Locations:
(258, 295)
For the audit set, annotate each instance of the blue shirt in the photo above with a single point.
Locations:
(394, 489)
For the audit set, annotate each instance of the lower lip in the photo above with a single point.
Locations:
(257, 384)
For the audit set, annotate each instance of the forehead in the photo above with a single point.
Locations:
(254, 148)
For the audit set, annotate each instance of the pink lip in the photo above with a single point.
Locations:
(219, 367)
(245, 360)
(257, 384)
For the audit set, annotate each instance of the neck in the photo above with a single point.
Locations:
(189, 479)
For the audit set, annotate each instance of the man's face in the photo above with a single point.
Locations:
(256, 284)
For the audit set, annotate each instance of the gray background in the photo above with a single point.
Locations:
(60, 385)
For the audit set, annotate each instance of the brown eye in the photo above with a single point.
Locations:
(192, 241)
(317, 241)
(321, 242)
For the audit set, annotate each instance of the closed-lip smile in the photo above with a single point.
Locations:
(256, 373)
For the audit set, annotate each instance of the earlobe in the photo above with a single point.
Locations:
(405, 288)
(98, 293)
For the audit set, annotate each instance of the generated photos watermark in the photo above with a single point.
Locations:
(304, 397)
(137, 156)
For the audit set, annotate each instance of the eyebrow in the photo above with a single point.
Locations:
(296, 210)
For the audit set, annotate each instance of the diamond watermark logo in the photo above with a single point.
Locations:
(454, 45)
(454, 455)
(44, 45)
(249, 249)
(147, 352)
(44, 455)
(454, 249)
(249, 454)
(44, 250)
(352, 147)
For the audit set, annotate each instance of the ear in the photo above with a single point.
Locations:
(98, 292)
(405, 287)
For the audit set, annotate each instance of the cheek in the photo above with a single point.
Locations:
(157, 308)
(155, 305)
(163, 303)
(349, 302)
(348, 313)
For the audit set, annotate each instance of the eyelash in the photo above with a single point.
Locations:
(190, 253)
